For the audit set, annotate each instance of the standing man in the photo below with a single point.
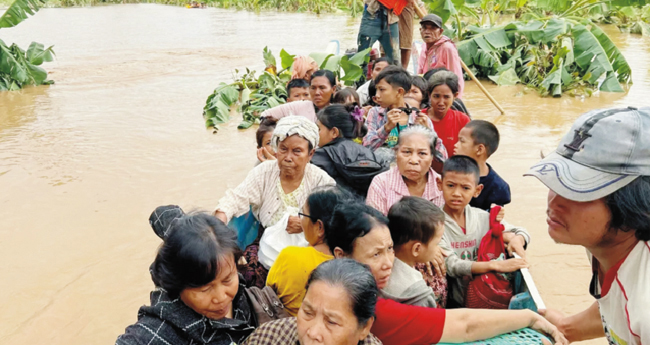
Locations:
(438, 50)
(599, 198)
(380, 23)
(405, 25)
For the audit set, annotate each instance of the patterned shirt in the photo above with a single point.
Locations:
(260, 191)
(285, 332)
(377, 134)
(389, 187)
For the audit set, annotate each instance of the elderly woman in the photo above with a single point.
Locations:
(190, 306)
(289, 273)
(276, 187)
(360, 232)
(338, 309)
(413, 175)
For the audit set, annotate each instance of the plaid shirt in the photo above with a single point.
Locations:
(388, 188)
(285, 332)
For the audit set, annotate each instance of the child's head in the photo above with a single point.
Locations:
(265, 132)
(372, 94)
(443, 88)
(392, 85)
(338, 120)
(347, 95)
(298, 90)
(479, 139)
(416, 227)
(419, 90)
(460, 182)
(379, 66)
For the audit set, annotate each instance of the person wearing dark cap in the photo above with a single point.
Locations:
(599, 198)
(439, 50)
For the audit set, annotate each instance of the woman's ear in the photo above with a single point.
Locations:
(339, 253)
(366, 329)
(455, 94)
(336, 132)
(321, 229)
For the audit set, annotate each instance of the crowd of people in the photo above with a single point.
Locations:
(361, 222)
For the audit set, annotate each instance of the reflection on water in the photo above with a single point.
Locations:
(83, 162)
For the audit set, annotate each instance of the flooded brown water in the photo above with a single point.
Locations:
(85, 161)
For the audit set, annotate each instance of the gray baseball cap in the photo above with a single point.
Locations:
(605, 150)
(432, 18)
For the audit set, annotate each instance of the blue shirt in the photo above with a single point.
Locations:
(495, 191)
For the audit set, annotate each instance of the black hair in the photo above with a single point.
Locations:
(372, 92)
(485, 133)
(341, 96)
(395, 76)
(296, 83)
(356, 279)
(323, 200)
(444, 78)
(350, 221)
(462, 165)
(192, 254)
(339, 116)
(383, 59)
(327, 74)
(266, 125)
(427, 76)
(414, 219)
(423, 85)
(630, 208)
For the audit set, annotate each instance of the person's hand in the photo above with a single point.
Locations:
(545, 326)
(393, 119)
(507, 266)
(501, 214)
(421, 119)
(263, 154)
(293, 225)
(221, 216)
(516, 245)
(366, 110)
(552, 315)
(437, 264)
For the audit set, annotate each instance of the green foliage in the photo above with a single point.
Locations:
(253, 94)
(18, 11)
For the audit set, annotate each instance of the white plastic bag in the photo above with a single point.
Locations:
(276, 238)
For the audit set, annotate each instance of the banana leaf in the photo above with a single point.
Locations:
(321, 58)
(506, 78)
(269, 59)
(611, 84)
(12, 67)
(333, 64)
(286, 59)
(18, 11)
(618, 61)
(352, 72)
(37, 54)
(361, 57)
(590, 54)
(488, 40)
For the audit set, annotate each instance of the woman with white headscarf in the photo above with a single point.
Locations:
(275, 187)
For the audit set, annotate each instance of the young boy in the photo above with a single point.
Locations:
(386, 121)
(298, 90)
(416, 227)
(479, 139)
(465, 226)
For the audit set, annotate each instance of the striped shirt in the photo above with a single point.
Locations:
(389, 187)
(260, 191)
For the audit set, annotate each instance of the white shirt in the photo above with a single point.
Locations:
(260, 191)
(624, 298)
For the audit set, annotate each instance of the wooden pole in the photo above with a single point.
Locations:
(480, 86)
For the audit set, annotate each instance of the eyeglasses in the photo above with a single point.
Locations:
(313, 219)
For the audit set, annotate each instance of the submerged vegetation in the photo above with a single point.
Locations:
(19, 67)
(253, 94)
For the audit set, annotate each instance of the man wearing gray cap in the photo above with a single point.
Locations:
(599, 198)
(438, 50)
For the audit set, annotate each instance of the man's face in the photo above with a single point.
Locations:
(430, 32)
(378, 67)
(581, 223)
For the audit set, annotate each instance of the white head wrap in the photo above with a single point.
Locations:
(290, 125)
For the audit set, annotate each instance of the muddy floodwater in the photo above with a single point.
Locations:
(84, 162)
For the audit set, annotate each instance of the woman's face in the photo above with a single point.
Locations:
(321, 91)
(441, 99)
(293, 155)
(326, 317)
(214, 300)
(414, 157)
(375, 249)
(416, 94)
(313, 230)
(325, 135)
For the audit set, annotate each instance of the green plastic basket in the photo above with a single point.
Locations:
(524, 336)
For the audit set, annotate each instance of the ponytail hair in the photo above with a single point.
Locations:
(347, 118)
